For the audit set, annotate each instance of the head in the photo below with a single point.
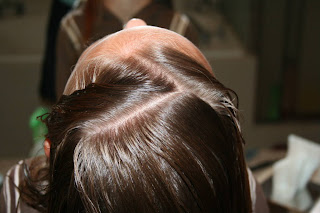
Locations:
(144, 126)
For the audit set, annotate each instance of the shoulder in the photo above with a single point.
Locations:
(72, 26)
(259, 202)
(252, 183)
(10, 197)
(75, 16)
(10, 194)
(159, 15)
(156, 14)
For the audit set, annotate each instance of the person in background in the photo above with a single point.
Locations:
(142, 126)
(91, 20)
(47, 77)
(47, 83)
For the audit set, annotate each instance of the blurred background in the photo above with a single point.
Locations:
(265, 50)
(22, 41)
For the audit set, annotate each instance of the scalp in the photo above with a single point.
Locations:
(133, 42)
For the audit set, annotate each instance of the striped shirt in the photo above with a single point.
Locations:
(10, 201)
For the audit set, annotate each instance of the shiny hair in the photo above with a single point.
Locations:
(154, 135)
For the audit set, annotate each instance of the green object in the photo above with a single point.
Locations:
(39, 129)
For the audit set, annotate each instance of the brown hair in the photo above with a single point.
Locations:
(153, 135)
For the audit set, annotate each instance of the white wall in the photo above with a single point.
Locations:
(21, 47)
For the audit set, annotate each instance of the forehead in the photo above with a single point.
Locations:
(144, 35)
(126, 43)
(129, 41)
